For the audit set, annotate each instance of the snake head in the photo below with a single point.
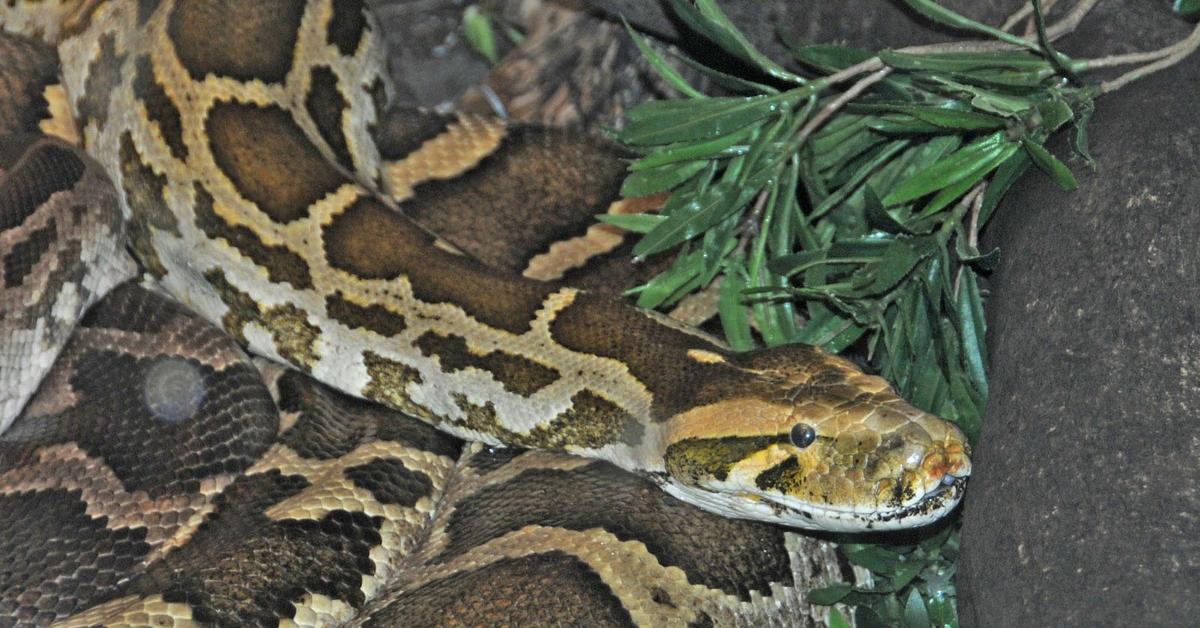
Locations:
(816, 444)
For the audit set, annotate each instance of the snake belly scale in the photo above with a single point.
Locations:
(241, 140)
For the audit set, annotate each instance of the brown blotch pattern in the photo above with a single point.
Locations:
(516, 373)
(159, 107)
(295, 338)
(104, 74)
(562, 174)
(376, 318)
(29, 67)
(242, 307)
(247, 141)
(144, 194)
(511, 591)
(404, 130)
(347, 26)
(373, 242)
(20, 259)
(146, 8)
(591, 422)
(326, 106)
(47, 169)
(281, 263)
(241, 40)
(731, 555)
(390, 482)
(388, 384)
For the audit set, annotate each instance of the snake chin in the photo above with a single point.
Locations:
(936, 502)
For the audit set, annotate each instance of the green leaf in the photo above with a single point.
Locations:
(477, 26)
(837, 620)
(944, 117)
(1005, 176)
(974, 329)
(706, 18)
(660, 65)
(699, 213)
(948, 170)
(974, 174)
(942, 15)
(701, 119)
(915, 614)
(661, 178)
(830, 58)
(735, 316)
(735, 84)
(683, 151)
(659, 289)
(1050, 164)
(832, 594)
(876, 558)
(963, 62)
(1086, 109)
(637, 223)
(1187, 8)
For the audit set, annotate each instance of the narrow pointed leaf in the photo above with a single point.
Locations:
(706, 18)
(1050, 164)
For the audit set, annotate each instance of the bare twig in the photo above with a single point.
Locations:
(828, 110)
(1179, 51)
(1025, 11)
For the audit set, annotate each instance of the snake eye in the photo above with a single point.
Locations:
(802, 435)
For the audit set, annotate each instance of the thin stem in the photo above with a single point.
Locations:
(1185, 48)
(1184, 45)
(828, 110)
(1025, 11)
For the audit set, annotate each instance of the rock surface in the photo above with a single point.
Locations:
(1084, 507)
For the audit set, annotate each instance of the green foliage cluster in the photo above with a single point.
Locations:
(841, 208)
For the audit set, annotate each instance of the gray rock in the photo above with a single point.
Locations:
(1084, 506)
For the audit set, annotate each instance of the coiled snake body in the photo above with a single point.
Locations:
(244, 145)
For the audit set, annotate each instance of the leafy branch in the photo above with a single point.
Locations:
(841, 207)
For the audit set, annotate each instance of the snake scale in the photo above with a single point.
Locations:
(158, 477)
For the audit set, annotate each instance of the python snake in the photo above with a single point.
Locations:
(263, 187)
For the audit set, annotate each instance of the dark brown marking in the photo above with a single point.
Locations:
(29, 67)
(295, 338)
(516, 373)
(144, 193)
(281, 263)
(146, 9)
(247, 142)
(347, 26)
(20, 260)
(332, 424)
(390, 482)
(243, 569)
(241, 40)
(511, 592)
(52, 571)
(376, 318)
(563, 175)
(371, 241)
(42, 171)
(605, 326)
(389, 381)
(591, 421)
(731, 555)
(327, 107)
(242, 307)
(104, 74)
(403, 131)
(159, 107)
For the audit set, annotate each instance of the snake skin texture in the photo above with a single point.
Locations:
(261, 186)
